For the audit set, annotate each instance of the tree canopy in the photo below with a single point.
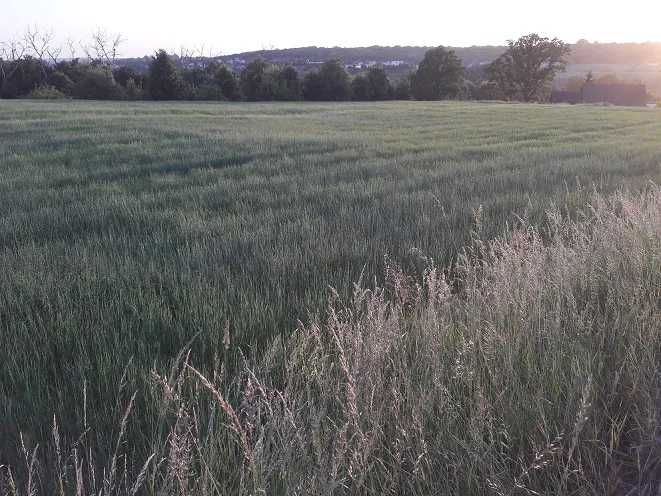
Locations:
(254, 82)
(165, 82)
(329, 83)
(527, 69)
(378, 84)
(439, 76)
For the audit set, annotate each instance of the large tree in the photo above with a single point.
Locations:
(19, 77)
(287, 84)
(525, 71)
(255, 83)
(378, 83)
(360, 90)
(329, 83)
(439, 76)
(373, 85)
(227, 82)
(313, 86)
(402, 90)
(165, 82)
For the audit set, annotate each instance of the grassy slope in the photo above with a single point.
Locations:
(127, 228)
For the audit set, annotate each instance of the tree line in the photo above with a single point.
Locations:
(31, 68)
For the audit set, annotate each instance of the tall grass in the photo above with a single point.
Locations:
(532, 369)
(128, 229)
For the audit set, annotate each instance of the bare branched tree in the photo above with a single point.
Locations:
(11, 52)
(103, 48)
(39, 44)
(201, 52)
(71, 48)
(186, 55)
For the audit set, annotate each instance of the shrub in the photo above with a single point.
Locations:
(97, 83)
(60, 81)
(134, 91)
(208, 92)
(489, 90)
(46, 93)
(125, 74)
(18, 78)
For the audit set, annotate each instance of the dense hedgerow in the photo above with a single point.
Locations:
(532, 369)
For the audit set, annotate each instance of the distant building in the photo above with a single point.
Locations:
(626, 94)
(394, 63)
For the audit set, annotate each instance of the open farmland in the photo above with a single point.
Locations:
(127, 229)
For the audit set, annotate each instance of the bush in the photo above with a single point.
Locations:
(18, 78)
(208, 92)
(97, 83)
(133, 91)
(125, 74)
(489, 90)
(46, 93)
(60, 81)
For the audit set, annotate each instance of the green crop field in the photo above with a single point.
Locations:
(128, 229)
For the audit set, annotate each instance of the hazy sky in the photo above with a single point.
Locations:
(234, 26)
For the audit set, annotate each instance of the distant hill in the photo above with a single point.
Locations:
(410, 55)
(583, 53)
(396, 59)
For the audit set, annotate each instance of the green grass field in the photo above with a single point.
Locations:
(126, 229)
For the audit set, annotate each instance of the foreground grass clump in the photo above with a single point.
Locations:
(535, 370)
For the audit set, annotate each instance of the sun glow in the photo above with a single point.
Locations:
(227, 27)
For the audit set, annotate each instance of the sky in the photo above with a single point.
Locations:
(225, 27)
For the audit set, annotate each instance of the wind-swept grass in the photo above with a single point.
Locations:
(535, 371)
(127, 229)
